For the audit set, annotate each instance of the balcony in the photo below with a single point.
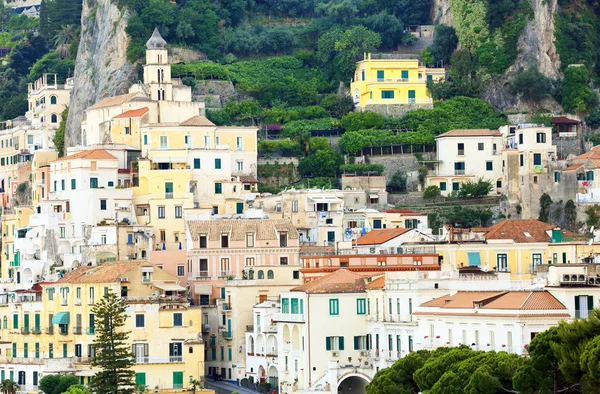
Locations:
(36, 330)
(225, 274)
(169, 195)
(25, 331)
(227, 335)
(199, 275)
(459, 172)
(159, 360)
(50, 330)
(270, 328)
(77, 330)
(249, 328)
(205, 328)
(227, 306)
(289, 317)
(82, 360)
(21, 360)
(90, 330)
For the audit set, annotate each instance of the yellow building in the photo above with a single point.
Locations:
(51, 328)
(384, 81)
(40, 175)
(11, 223)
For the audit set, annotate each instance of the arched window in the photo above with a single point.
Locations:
(53, 99)
(270, 274)
(54, 118)
(261, 274)
(84, 138)
(251, 274)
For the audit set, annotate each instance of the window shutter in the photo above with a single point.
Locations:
(355, 343)
(576, 306)
(590, 302)
(170, 349)
(368, 342)
(341, 343)
(327, 343)
(145, 350)
(133, 349)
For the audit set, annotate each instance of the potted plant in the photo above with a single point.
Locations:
(327, 386)
(295, 385)
(349, 359)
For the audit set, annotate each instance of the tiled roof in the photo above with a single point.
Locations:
(523, 231)
(248, 179)
(378, 283)
(114, 100)
(341, 281)
(377, 237)
(564, 120)
(265, 229)
(317, 249)
(197, 121)
(573, 167)
(95, 154)
(133, 113)
(471, 133)
(105, 273)
(513, 300)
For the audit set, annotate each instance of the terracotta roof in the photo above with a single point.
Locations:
(341, 281)
(248, 179)
(265, 229)
(564, 120)
(378, 283)
(114, 100)
(403, 211)
(197, 121)
(316, 249)
(377, 237)
(471, 133)
(105, 273)
(523, 231)
(513, 300)
(573, 167)
(133, 113)
(95, 154)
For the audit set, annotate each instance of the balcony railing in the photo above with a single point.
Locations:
(159, 360)
(36, 330)
(250, 328)
(50, 330)
(290, 317)
(224, 274)
(82, 360)
(199, 275)
(169, 195)
(25, 330)
(226, 306)
(205, 328)
(227, 335)
(459, 172)
(90, 330)
(77, 330)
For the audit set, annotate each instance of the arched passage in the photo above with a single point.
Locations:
(353, 383)
(273, 377)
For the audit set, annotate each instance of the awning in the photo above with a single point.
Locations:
(168, 286)
(323, 200)
(474, 259)
(373, 196)
(61, 318)
(203, 289)
(147, 269)
(167, 159)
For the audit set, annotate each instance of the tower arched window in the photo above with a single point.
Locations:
(53, 99)
(54, 118)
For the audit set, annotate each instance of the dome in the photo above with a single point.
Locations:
(156, 41)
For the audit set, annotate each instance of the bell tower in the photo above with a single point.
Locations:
(157, 70)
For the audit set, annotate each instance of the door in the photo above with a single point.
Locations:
(177, 380)
(331, 236)
(140, 352)
(239, 207)
(26, 321)
(37, 321)
(411, 97)
(168, 189)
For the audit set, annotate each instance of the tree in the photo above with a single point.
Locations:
(593, 119)
(63, 39)
(422, 174)
(577, 95)
(9, 387)
(362, 120)
(398, 182)
(570, 215)
(322, 163)
(77, 389)
(478, 189)
(113, 353)
(59, 136)
(338, 105)
(444, 43)
(388, 27)
(432, 191)
(545, 204)
(531, 85)
(57, 384)
(593, 215)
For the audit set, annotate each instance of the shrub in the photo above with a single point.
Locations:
(398, 182)
(363, 169)
(531, 85)
(478, 189)
(362, 121)
(431, 192)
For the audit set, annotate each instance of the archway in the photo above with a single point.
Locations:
(353, 383)
(27, 277)
(250, 345)
(271, 345)
(260, 344)
(273, 378)
(295, 338)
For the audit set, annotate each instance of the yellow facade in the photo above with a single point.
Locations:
(167, 348)
(392, 81)
(126, 131)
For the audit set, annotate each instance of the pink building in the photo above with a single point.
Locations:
(219, 250)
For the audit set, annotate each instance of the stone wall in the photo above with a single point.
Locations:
(396, 110)
(407, 164)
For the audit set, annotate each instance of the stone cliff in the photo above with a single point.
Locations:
(101, 68)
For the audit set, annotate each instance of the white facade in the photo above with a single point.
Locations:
(392, 246)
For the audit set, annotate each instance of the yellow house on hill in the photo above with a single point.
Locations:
(392, 81)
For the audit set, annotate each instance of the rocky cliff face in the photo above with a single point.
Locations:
(101, 68)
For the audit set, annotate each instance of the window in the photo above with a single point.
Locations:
(62, 184)
(239, 143)
(73, 183)
(334, 343)
(249, 261)
(461, 149)
(240, 166)
(270, 274)
(404, 74)
(442, 186)
(103, 205)
(202, 242)
(178, 211)
(283, 239)
(239, 208)
(161, 212)
(380, 74)
(140, 320)
(521, 160)
(537, 159)
(583, 306)
(589, 175)
(377, 223)
(540, 138)
(521, 138)
(55, 183)
(334, 307)
(127, 130)
(536, 259)
(181, 270)
(455, 186)
(62, 232)
(249, 240)
(177, 319)
(53, 100)
(103, 239)
(224, 240)
(164, 143)
(145, 139)
(283, 261)
(489, 166)
(294, 205)
(387, 94)
(93, 183)
(53, 118)
(480, 146)
(217, 164)
(498, 184)
(218, 188)
(361, 306)
(196, 164)
(556, 176)
(502, 262)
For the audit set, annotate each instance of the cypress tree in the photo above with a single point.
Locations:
(113, 354)
(44, 22)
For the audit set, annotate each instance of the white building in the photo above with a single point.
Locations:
(467, 155)
(388, 241)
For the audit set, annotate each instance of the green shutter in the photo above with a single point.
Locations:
(590, 301)
(177, 380)
(25, 350)
(15, 321)
(140, 378)
(356, 343)
(576, 306)
(327, 343)
(301, 306)
(341, 342)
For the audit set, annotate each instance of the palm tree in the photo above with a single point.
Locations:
(64, 38)
(9, 387)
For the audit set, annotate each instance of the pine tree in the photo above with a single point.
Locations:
(44, 22)
(113, 354)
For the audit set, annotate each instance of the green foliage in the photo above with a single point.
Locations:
(445, 89)
(54, 14)
(478, 189)
(593, 119)
(338, 105)
(339, 49)
(593, 215)
(422, 174)
(460, 216)
(57, 384)
(297, 127)
(431, 192)
(280, 115)
(363, 169)
(444, 43)
(570, 216)
(52, 63)
(322, 163)
(59, 135)
(218, 117)
(577, 95)
(545, 204)
(531, 85)
(470, 22)
(576, 36)
(245, 110)
(398, 182)
(362, 120)
(9, 387)
(113, 352)
(283, 148)
(354, 141)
